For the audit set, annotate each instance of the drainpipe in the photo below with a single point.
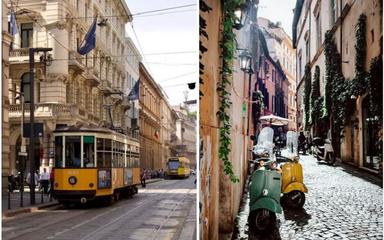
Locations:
(341, 54)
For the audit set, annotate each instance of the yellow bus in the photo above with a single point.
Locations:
(178, 167)
(94, 163)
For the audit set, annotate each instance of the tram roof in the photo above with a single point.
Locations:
(83, 128)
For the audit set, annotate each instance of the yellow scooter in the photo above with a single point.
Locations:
(292, 187)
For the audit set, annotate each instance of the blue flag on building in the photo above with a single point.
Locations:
(13, 25)
(89, 41)
(134, 94)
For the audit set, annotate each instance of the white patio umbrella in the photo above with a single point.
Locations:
(275, 120)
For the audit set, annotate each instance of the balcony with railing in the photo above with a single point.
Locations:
(76, 62)
(21, 55)
(91, 74)
(42, 110)
(49, 110)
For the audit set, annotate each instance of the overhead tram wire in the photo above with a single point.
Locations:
(138, 14)
(160, 14)
(175, 85)
(138, 42)
(179, 76)
(173, 64)
(34, 20)
(141, 49)
(63, 59)
(128, 55)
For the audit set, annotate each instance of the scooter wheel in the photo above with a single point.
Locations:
(295, 199)
(331, 159)
(261, 220)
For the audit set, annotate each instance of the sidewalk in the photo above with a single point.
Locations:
(15, 200)
(41, 201)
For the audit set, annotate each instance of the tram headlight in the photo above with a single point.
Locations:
(91, 185)
(72, 180)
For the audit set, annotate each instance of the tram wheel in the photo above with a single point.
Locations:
(116, 196)
(109, 200)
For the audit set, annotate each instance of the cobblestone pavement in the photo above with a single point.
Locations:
(163, 210)
(341, 204)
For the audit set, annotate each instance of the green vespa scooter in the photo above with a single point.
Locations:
(265, 188)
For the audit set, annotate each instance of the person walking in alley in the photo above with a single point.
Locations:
(44, 180)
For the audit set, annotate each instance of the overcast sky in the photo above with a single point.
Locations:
(278, 10)
(166, 32)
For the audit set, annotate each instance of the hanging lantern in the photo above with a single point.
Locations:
(241, 15)
(246, 62)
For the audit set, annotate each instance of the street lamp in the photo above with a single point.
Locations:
(246, 67)
(246, 62)
(241, 16)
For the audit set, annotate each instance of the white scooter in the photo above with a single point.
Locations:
(323, 150)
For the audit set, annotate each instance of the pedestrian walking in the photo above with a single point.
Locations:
(44, 180)
(35, 180)
(143, 177)
(51, 180)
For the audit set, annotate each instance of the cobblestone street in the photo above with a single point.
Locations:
(341, 203)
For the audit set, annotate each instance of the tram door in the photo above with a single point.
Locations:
(104, 163)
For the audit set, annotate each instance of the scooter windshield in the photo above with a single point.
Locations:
(292, 143)
(265, 141)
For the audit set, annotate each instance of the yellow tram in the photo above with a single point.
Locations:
(93, 163)
(178, 167)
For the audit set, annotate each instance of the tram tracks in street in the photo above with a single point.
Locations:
(163, 196)
(154, 233)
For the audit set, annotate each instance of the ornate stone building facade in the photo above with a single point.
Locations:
(150, 122)
(6, 41)
(73, 89)
(186, 135)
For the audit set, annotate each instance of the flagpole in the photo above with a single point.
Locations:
(133, 116)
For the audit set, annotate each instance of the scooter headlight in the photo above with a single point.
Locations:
(265, 192)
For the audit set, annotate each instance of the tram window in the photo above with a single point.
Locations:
(128, 159)
(89, 148)
(100, 144)
(121, 155)
(107, 153)
(100, 157)
(107, 144)
(59, 151)
(100, 152)
(107, 159)
(72, 151)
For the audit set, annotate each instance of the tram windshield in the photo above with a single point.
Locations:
(73, 151)
(173, 164)
(89, 151)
